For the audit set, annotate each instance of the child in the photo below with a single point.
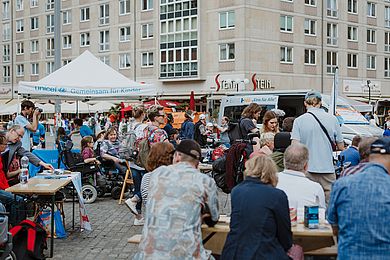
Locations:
(87, 150)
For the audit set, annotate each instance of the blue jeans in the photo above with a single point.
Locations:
(7, 199)
(137, 179)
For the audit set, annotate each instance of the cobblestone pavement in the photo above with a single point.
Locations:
(112, 225)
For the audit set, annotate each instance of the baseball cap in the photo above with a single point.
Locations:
(209, 124)
(382, 146)
(312, 94)
(190, 148)
(202, 117)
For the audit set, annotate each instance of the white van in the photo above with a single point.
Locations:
(292, 103)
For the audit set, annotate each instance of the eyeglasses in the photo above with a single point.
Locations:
(19, 135)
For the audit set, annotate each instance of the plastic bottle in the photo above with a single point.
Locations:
(23, 177)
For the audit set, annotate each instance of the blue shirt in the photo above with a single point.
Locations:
(23, 122)
(38, 134)
(386, 132)
(307, 131)
(187, 130)
(360, 205)
(85, 131)
(351, 155)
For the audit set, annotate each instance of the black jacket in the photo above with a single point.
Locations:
(198, 137)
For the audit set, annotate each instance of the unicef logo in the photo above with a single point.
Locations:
(62, 90)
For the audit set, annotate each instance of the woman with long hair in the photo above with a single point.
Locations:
(270, 123)
(260, 211)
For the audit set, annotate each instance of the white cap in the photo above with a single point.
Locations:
(209, 124)
(202, 116)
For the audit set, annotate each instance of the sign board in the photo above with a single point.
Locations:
(229, 83)
(360, 87)
(263, 100)
(261, 84)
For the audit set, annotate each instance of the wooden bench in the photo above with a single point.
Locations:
(326, 251)
(136, 239)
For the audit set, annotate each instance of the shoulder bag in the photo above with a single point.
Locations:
(332, 144)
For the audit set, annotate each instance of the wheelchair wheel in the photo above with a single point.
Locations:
(116, 192)
(11, 256)
(89, 193)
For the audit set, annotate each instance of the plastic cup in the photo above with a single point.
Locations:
(293, 213)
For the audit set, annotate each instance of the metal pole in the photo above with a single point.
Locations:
(369, 91)
(135, 41)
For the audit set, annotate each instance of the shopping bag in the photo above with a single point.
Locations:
(44, 218)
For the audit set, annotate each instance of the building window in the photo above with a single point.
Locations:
(310, 27)
(19, 5)
(104, 42)
(105, 60)
(227, 52)
(34, 23)
(33, 3)
(286, 23)
(387, 67)
(387, 41)
(331, 8)
(310, 2)
(6, 32)
(6, 10)
(50, 23)
(49, 5)
(66, 17)
(84, 39)
(67, 42)
(352, 33)
(124, 7)
(34, 69)
(387, 16)
(104, 14)
(19, 48)
(371, 62)
(6, 74)
(352, 60)
(19, 70)
(124, 61)
(147, 5)
(147, 59)
(66, 62)
(227, 20)
(6, 53)
(352, 6)
(286, 54)
(371, 9)
(371, 36)
(49, 67)
(19, 25)
(34, 46)
(50, 47)
(331, 34)
(84, 14)
(310, 57)
(147, 31)
(331, 61)
(124, 34)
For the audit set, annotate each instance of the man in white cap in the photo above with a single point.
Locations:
(200, 134)
(321, 133)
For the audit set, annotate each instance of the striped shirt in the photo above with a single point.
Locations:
(145, 187)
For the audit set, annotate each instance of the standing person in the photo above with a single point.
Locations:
(308, 131)
(38, 137)
(359, 208)
(169, 127)
(12, 121)
(246, 125)
(81, 128)
(179, 196)
(187, 127)
(352, 154)
(259, 228)
(270, 123)
(27, 110)
(122, 129)
(200, 134)
(223, 131)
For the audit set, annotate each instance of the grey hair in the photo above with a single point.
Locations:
(15, 127)
(295, 157)
(266, 137)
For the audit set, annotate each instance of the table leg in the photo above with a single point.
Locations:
(52, 226)
(73, 201)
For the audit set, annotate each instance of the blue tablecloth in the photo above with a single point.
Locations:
(48, 156)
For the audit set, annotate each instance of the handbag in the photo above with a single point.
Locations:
(332, 144)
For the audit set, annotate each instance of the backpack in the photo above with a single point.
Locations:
(129, 147)
(29, 240)
(144, 149)
(219, 169)
(234, 131)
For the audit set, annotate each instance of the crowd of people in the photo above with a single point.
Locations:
(289, 163)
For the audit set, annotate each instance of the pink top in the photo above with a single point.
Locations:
(87, 153)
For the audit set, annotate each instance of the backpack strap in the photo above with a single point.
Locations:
(15, 230)
(31, 237)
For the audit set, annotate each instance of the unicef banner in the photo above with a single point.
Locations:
(26, 88)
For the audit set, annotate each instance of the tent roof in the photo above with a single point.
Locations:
(86, 77)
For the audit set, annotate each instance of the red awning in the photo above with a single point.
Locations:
(164, 103)
(127, 109)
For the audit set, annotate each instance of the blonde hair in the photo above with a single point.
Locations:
(262, 167)
(266, 137)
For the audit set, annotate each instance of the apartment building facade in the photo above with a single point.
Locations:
(210, 47)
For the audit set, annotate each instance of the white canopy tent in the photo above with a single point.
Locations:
(86, 78)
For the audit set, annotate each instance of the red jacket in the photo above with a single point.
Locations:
(3, 179)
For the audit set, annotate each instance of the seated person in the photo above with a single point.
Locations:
(99, 140)
(293, 181)
(281, 142)
(266, 144)
(62, 138)
(174, 137)
(109, 150)
(87, 150)
(211, 136)
(259, 228)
